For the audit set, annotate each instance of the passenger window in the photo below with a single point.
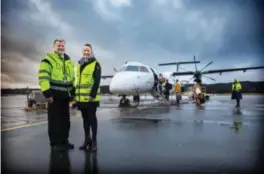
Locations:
(132, 68)
(143, 69)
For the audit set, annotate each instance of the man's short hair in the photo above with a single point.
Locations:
(58, 40)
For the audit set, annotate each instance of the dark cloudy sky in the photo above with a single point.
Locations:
(149, 31)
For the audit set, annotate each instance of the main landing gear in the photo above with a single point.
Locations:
(125, 102)
(136, 98)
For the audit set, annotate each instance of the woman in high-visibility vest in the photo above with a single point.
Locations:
(88, 76)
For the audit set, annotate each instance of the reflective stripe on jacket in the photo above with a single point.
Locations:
(56, 73)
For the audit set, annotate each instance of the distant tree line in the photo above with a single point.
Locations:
(217, 88)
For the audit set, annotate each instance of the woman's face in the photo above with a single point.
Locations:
(87, 51)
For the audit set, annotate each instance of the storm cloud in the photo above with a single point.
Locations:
(151, 31)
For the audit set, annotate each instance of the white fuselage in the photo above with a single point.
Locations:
(133, 78)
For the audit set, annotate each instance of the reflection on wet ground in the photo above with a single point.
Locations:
(214, 138)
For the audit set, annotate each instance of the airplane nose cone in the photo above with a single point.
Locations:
(122, 84)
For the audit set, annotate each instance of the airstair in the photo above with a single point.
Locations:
(159, 96)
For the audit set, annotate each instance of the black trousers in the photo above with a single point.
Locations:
(167, 95)
(58, 121)
(238, 102)
(89, 120)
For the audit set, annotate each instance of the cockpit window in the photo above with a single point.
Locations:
(143, 69)
(122, 69)
(132, 68)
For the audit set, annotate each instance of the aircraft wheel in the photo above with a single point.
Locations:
(127, 102)
(122, 102)
(136, 98)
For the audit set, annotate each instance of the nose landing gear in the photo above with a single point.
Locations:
(124, 102)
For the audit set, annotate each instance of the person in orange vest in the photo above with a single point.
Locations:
(178, 92)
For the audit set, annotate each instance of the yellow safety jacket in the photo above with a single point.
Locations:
(84, 83)
(56, 73)
(177, 87)
(236, 86)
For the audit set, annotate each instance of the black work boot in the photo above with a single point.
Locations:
(69, 145)
(87, 142)
(94, 146)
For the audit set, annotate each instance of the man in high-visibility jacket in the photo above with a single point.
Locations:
(178, 91)
(88, 76)
(236, 92)
(56, 80)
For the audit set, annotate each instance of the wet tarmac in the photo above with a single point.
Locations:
(212, 139)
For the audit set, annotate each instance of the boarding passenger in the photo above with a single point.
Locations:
(178, 92)
(161, 81)
(236, 92)
(156, 82)
(197, 93)
(88, 76)
(56, 80)
(168, 87)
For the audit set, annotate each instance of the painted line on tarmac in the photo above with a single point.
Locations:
(32, 124)
(39, 123)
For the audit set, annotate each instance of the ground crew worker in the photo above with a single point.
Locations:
(178, 92)
(56, 80)
(88, 76)
(236, 92)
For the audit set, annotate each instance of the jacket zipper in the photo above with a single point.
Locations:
(65, 77)
(80, 83)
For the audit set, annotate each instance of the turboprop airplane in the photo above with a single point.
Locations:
(134, 79)
(198, 74)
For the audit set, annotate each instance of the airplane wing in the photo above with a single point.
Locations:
(220, 71)
(178, 63)
(105, 77)
(182, 73)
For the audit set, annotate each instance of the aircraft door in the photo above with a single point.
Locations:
(154, 76)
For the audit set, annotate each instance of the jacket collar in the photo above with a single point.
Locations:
(84, 61)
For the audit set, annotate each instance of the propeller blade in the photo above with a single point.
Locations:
(209, 77)
(195, 63)
(190, 79)
(115, 69)
(206, 66)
